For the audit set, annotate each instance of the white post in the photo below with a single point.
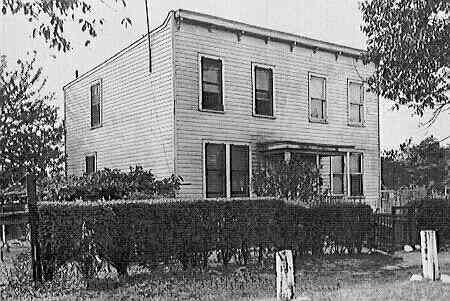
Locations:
(429, 255)
(285, 275)
(287, 156)
(347, 171)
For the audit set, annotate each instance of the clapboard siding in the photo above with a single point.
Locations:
(138, 125)
(291, 96)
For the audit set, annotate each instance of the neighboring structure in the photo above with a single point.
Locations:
(223, 97)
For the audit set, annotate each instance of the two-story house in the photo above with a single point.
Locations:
(222, 97)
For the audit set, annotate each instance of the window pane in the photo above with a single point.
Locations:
(95, 114)
(355, 113)
(355, 92)
(212, 101)
(211, 88)
(317, 109)
(264, 107)
(356, 185)
(239, 171)
(215, 184)
(361, 113)
(337, 163)
(263, 91)
(338, 184)
(212, 84)
(355, 163)
(263, 79)
(211, 70)
(95, 94)
(215, 170)
(317, 87)
(90, 164)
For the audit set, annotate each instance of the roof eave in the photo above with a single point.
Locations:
(265, 33)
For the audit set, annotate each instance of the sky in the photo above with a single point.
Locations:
(335, 21)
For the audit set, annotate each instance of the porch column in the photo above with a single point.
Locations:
(287, 156)
(348, 173)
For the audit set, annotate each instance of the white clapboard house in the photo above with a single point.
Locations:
(223, 96)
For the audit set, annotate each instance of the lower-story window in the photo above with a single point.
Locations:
(356, 175)
(347, 179)
(239, 171)
(215, 170)
(91, 164)
(227, 179)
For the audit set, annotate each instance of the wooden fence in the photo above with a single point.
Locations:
(401, 227)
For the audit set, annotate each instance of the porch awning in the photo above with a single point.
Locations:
(303, 147)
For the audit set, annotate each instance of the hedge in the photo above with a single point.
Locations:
(433, 214)
(108, 184)
(153, 231)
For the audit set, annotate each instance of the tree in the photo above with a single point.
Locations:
(409, 43)
(50, 16)
(30, 133)
(421, 164)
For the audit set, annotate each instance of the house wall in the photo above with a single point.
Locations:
(291, 97)
(138, 124)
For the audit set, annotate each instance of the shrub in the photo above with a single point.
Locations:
(108, 184)
(433, 214)
(291, 180)
(148, 232)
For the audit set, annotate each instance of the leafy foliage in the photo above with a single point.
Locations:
(149, 232)
(108, 184)
(50, 17)
(421, 164)
(409, 42)
(30, 133)
(292, 180)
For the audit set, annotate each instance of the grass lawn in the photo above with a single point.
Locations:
(365, 277)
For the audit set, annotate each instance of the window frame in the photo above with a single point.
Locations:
(90, 155)
(93, 83)
(200, 82)
(361, 173)
(255, 65)
(343, 175)
(310, 118)
(227, 166)
(363, 104)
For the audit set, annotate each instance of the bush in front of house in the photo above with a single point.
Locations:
(108, 184)
(148, 232)
(291, 180)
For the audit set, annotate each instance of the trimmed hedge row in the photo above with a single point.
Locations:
(433, 214)
(148, 232)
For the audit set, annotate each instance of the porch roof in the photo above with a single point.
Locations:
(304, 147)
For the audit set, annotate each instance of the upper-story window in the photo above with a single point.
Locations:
(263, 103)
(355, 103)
(96, 104)
(317, 98)
(211, 84)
